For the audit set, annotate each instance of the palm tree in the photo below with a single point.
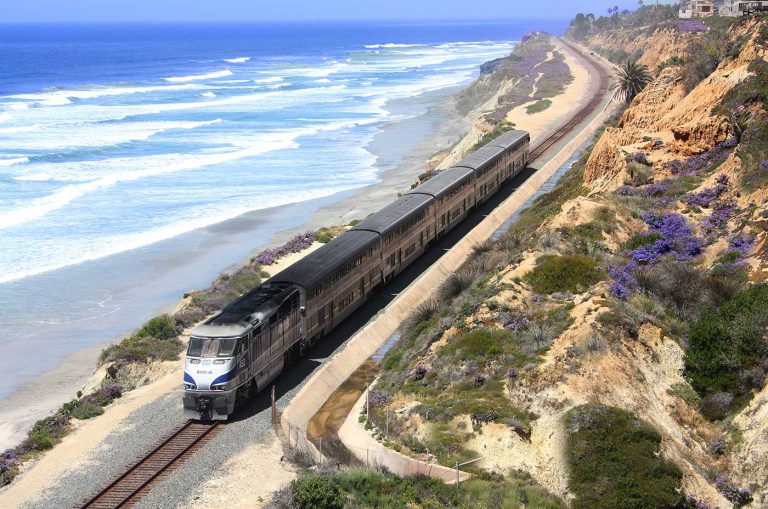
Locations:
(630, 79)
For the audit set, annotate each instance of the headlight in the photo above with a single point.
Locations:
(220, 387)
(194, 361)
(190, 387)
(220, 361)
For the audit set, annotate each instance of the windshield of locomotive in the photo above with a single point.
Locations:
(207, 347)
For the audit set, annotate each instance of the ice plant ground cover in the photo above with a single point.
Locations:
(48, 431)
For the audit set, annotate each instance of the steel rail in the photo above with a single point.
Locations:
(169, 454)
(582, 114)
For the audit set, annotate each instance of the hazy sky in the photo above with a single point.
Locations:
(303, 10)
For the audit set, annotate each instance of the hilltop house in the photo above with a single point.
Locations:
(697, 9)
(741, 7)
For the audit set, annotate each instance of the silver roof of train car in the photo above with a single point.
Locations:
(481, 157)
(319, 264)
(510, 139)
(443, 182)
(394, 214)
(250, 308)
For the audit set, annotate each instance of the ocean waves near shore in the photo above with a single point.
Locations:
(93, 170)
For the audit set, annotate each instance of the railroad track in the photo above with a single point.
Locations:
(172, 451)
(169, 454)
(582, 114)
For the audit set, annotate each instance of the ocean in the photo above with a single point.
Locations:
(121, 141)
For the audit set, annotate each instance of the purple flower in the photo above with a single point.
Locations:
(518, 323)
(655, 190)
(379, 399)
(736, 495)
(625, 191)
(480, 378)
(764, 165)
(741, 243)
(419, 371)
(623, 281)
(513, 373)
(687, 26)
(707, 196)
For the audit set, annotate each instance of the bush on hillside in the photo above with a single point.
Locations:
(571, 273)
(317, 493)
(613, 462)
(160, 327)
(728, 353)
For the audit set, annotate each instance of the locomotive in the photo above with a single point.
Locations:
(240, 350)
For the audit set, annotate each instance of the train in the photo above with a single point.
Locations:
(246, 345)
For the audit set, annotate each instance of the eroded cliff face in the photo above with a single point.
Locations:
(664, 120)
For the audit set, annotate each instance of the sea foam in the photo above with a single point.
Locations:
(199, 77)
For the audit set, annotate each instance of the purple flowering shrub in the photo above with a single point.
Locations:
(687, 26)
(296, 244)
(706, 197)
(48, 431)
(379, 399)
(672, 236)
(623, 282)
(419, 371)
(722, 211)
(737, 495)
(701, 163)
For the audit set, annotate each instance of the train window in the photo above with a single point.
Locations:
(211, 347)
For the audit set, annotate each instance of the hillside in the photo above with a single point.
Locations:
(618, 331)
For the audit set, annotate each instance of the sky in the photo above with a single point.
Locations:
(294, 10)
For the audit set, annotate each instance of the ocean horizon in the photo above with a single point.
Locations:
(119, 139)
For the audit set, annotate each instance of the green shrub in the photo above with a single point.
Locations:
(392, 360)
(727, 352)
(612, 456)
(640, 240)
(327, 233)
(86, 410)
(479, 344)
(135, 349)
(670, 62)
(317, 493)
(160, 327)
(571, 273)
(538, 106)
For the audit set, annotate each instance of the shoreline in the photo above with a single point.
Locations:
(440, 125)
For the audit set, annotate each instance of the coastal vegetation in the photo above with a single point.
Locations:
(613, 461)
(49, 431)
(630, 79)
(538, 106)
(364, 488)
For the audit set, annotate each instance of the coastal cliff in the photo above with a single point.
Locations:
(626, 307)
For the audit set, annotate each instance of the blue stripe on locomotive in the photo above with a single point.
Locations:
(226, 377)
